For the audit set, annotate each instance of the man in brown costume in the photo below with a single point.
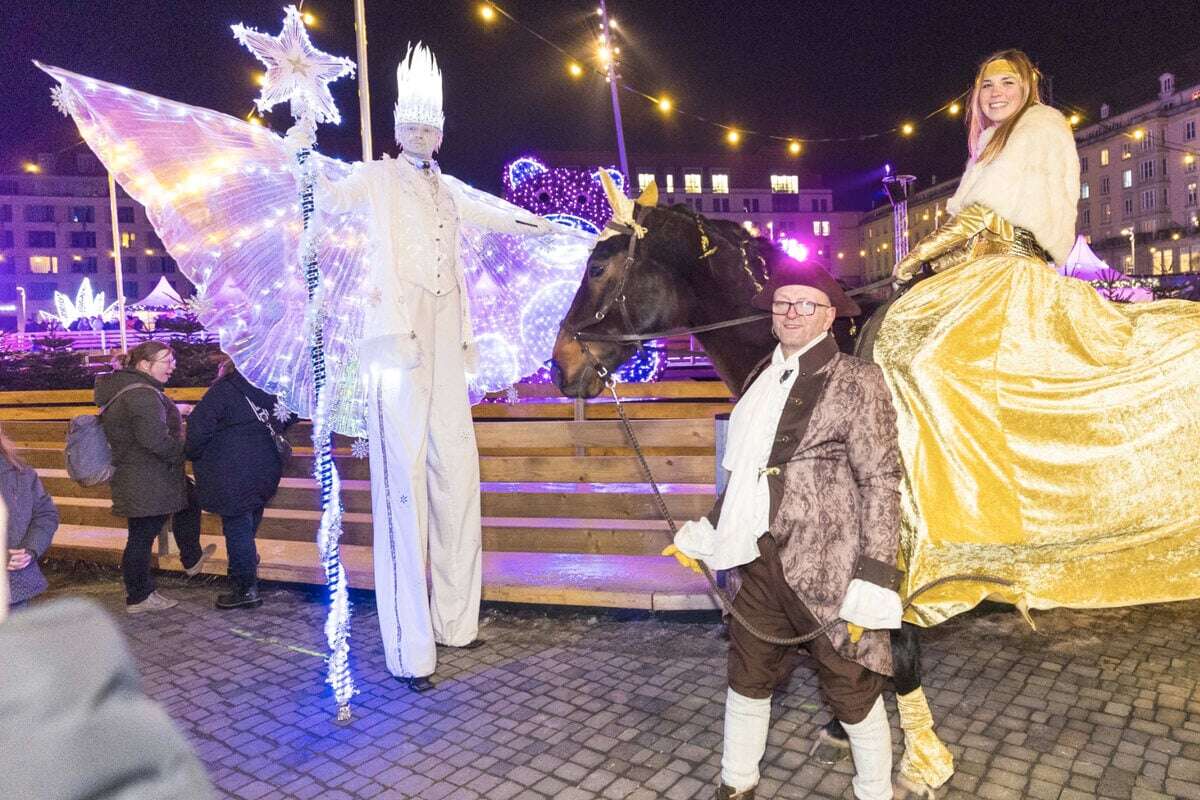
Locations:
(810, 520)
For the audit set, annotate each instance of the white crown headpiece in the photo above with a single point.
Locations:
(419, 89)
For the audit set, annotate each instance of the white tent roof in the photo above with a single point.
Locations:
(1085, 265)
(162, 296)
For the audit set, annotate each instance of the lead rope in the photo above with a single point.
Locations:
(718, 592)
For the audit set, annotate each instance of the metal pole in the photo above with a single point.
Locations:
(364, 85)
(116, 240)
(1132, 253)
(613, 78)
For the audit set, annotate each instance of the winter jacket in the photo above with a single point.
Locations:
(235, 461)
(32, 521)
(145, 432)
(74, 721)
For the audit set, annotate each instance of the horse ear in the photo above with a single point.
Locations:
(649, 195)
(617, 177)
(616, 198)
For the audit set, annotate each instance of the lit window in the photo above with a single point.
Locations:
(691, 183)
(43, 265)
(1106, 212)
(128, 239)
(1127, 178)
(1189, 163)
(644, 180)
(720, 183)
(820, 227)
(1084, 191)
(785, 183)
(1126, 151)
(669, 180)
(1191, 189)
(1104, 157)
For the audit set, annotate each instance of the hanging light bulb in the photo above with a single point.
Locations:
(664, 104)
(733, 137)
(794, 147)
(908, 129)
(954, 109)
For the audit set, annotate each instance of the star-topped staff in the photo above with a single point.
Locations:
(300, 73)
(296, 71)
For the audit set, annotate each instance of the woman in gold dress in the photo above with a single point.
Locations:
(1050, 438)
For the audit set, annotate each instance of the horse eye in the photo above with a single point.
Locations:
(596, 270)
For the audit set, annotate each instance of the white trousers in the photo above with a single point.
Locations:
(425, 495)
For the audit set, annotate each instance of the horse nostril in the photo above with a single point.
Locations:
(556, 373)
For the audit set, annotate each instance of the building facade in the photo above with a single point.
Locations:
(1139, 173)
(56, 230)
(775, 196)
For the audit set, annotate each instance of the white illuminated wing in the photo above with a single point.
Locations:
(222, 196)
(520, 288)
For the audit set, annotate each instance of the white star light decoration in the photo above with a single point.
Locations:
(296, 70)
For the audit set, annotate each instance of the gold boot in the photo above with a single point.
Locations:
(926, 763)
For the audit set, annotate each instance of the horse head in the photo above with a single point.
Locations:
(635, 282)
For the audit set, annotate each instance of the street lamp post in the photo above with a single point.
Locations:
(897, 187)
(1132, 249)
(21, 318)
(614, 76)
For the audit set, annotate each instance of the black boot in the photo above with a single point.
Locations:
(419, 683)
(239, 598)
(729, 793)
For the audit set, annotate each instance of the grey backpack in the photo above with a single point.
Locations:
(89, 458)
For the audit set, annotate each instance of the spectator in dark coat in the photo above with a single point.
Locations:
(145, 431)
(32, 521)
(74, 721)
(231, 440)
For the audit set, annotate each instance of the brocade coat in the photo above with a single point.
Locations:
(834, 477)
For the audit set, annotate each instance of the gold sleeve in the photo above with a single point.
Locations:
(957, 231)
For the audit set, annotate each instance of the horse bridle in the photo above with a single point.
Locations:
(616, 297)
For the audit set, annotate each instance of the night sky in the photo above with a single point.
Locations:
(809, 69)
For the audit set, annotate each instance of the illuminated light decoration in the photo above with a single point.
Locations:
(31, 167)
(85, 306)
(1075, 119)
(532, 185)
(954, 108)
(793, 248)
(301, 74)
(794, 147)
(487, 12)
(908, 129)
(664, 104)
(1139, 134)
(574, 70)
(733, 137)
(296, 71)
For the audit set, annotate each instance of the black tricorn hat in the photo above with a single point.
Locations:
(787, 271)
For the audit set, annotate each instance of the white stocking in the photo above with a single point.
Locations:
(871, 748)
(746, 723)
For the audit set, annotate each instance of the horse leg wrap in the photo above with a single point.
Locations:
(926, 760)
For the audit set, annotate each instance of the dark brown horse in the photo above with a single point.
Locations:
(689, 271)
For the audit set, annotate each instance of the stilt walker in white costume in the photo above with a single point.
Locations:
(417, 348)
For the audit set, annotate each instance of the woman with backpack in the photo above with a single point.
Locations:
(32, 521)
(145, 431)
(235, 439)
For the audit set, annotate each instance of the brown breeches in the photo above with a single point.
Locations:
(756, 668)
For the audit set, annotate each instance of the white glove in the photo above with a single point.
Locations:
(871, 606)
(697, 539)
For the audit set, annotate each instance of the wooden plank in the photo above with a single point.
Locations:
(689, 389)
(595, 540)
(595, 469)
(36, 431)
(84, 396)
(599, 505)
(595, 433)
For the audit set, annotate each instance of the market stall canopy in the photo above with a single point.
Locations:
(162, 297)
(1111, 283)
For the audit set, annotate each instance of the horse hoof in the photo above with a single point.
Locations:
(829, 750)
(906, 789)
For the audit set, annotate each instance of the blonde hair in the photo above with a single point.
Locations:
(977, 122)
(8, 451)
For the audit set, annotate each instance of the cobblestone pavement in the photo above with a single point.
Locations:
(573, 705)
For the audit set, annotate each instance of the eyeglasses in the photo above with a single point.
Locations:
(803, 308)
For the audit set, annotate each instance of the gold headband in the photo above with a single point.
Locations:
(1001, 66)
